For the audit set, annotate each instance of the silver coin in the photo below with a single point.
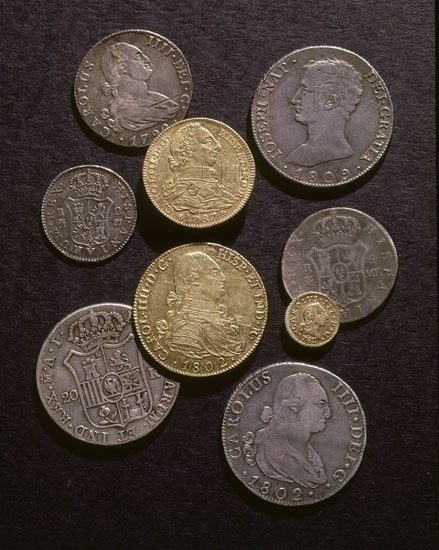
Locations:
(344, 254)
(322, 116)
(94, 382)
(89, 213)
(294, 434)
(132, 85)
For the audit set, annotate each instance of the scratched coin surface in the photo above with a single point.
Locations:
(95, 384)
(132, 85)
(345, 254)
(200, 309)
(294, 434)
(199, 172)
(89, 213)
(322, 116)
(312, 319)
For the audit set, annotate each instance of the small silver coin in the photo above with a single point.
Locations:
(345, 254)
(89, 213)
(132, 85)
(95, 384)
(294, 434)
(322, 116)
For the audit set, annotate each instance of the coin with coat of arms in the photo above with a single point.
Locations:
(345, 254)
(132, 85)
(89, 213)
(312, 319)
(94, 382)
(322, 116)
(294, 434)
(200, 309)
(199, 172)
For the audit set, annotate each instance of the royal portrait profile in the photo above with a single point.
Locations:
(282, 450)
(328, 94)
(196, 183)
(198, 323)
(314, 320)
(131, 104)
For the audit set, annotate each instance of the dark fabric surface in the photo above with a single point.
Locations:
(174, 489)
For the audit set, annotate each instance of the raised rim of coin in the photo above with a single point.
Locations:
(302, 333)
(151, 158)
(241, 337)
(125, 235)
(58, 405)
(103, 128)
(388, 242)
(274, 150)
(241, 454)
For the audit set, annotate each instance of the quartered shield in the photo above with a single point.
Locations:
(89, 218)
(111, 383)
(340, 271)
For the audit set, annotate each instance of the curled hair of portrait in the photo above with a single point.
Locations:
(336, 76)
(183, 146)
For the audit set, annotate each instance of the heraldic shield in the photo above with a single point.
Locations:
(112, 386)
(89, 220)
(340, 271)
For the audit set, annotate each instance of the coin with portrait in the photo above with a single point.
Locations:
(200, 309)
(312, 319)
(322, 116)
(89, 213)
(131, 85)
(94, 382)
(345, 254)
(294, 434)
(199, 172)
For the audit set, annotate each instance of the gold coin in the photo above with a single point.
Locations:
(199, 172)
(312, 319)
(200, 309)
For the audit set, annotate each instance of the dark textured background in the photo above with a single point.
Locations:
(174, 489)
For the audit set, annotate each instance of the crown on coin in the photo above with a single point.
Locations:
(336, 229)
(89, 184)
(96, 327)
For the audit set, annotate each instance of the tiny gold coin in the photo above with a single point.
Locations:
(199, 172)
(200, 309)
(312, 319)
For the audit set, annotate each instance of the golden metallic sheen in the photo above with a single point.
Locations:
(200, 309)
(199, 172)
(312, 319)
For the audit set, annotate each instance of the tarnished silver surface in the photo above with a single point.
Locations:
(89, 213)
(294, 434)
(132, 85)
(94, 382)
(345, 254)
(322, 116)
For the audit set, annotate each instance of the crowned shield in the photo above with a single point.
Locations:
(340, 270)
(89, 218)
(111, 383)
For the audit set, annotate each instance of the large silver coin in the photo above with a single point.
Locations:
(132, 85)
(294, 434)
(89, 213)
(322, 116)
(94, 382)
(344, 254)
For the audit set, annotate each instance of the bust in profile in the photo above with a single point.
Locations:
(282, 449)
(196, 184)
(314, 321)
(327, 96)
(197, 323)
(131, 104)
